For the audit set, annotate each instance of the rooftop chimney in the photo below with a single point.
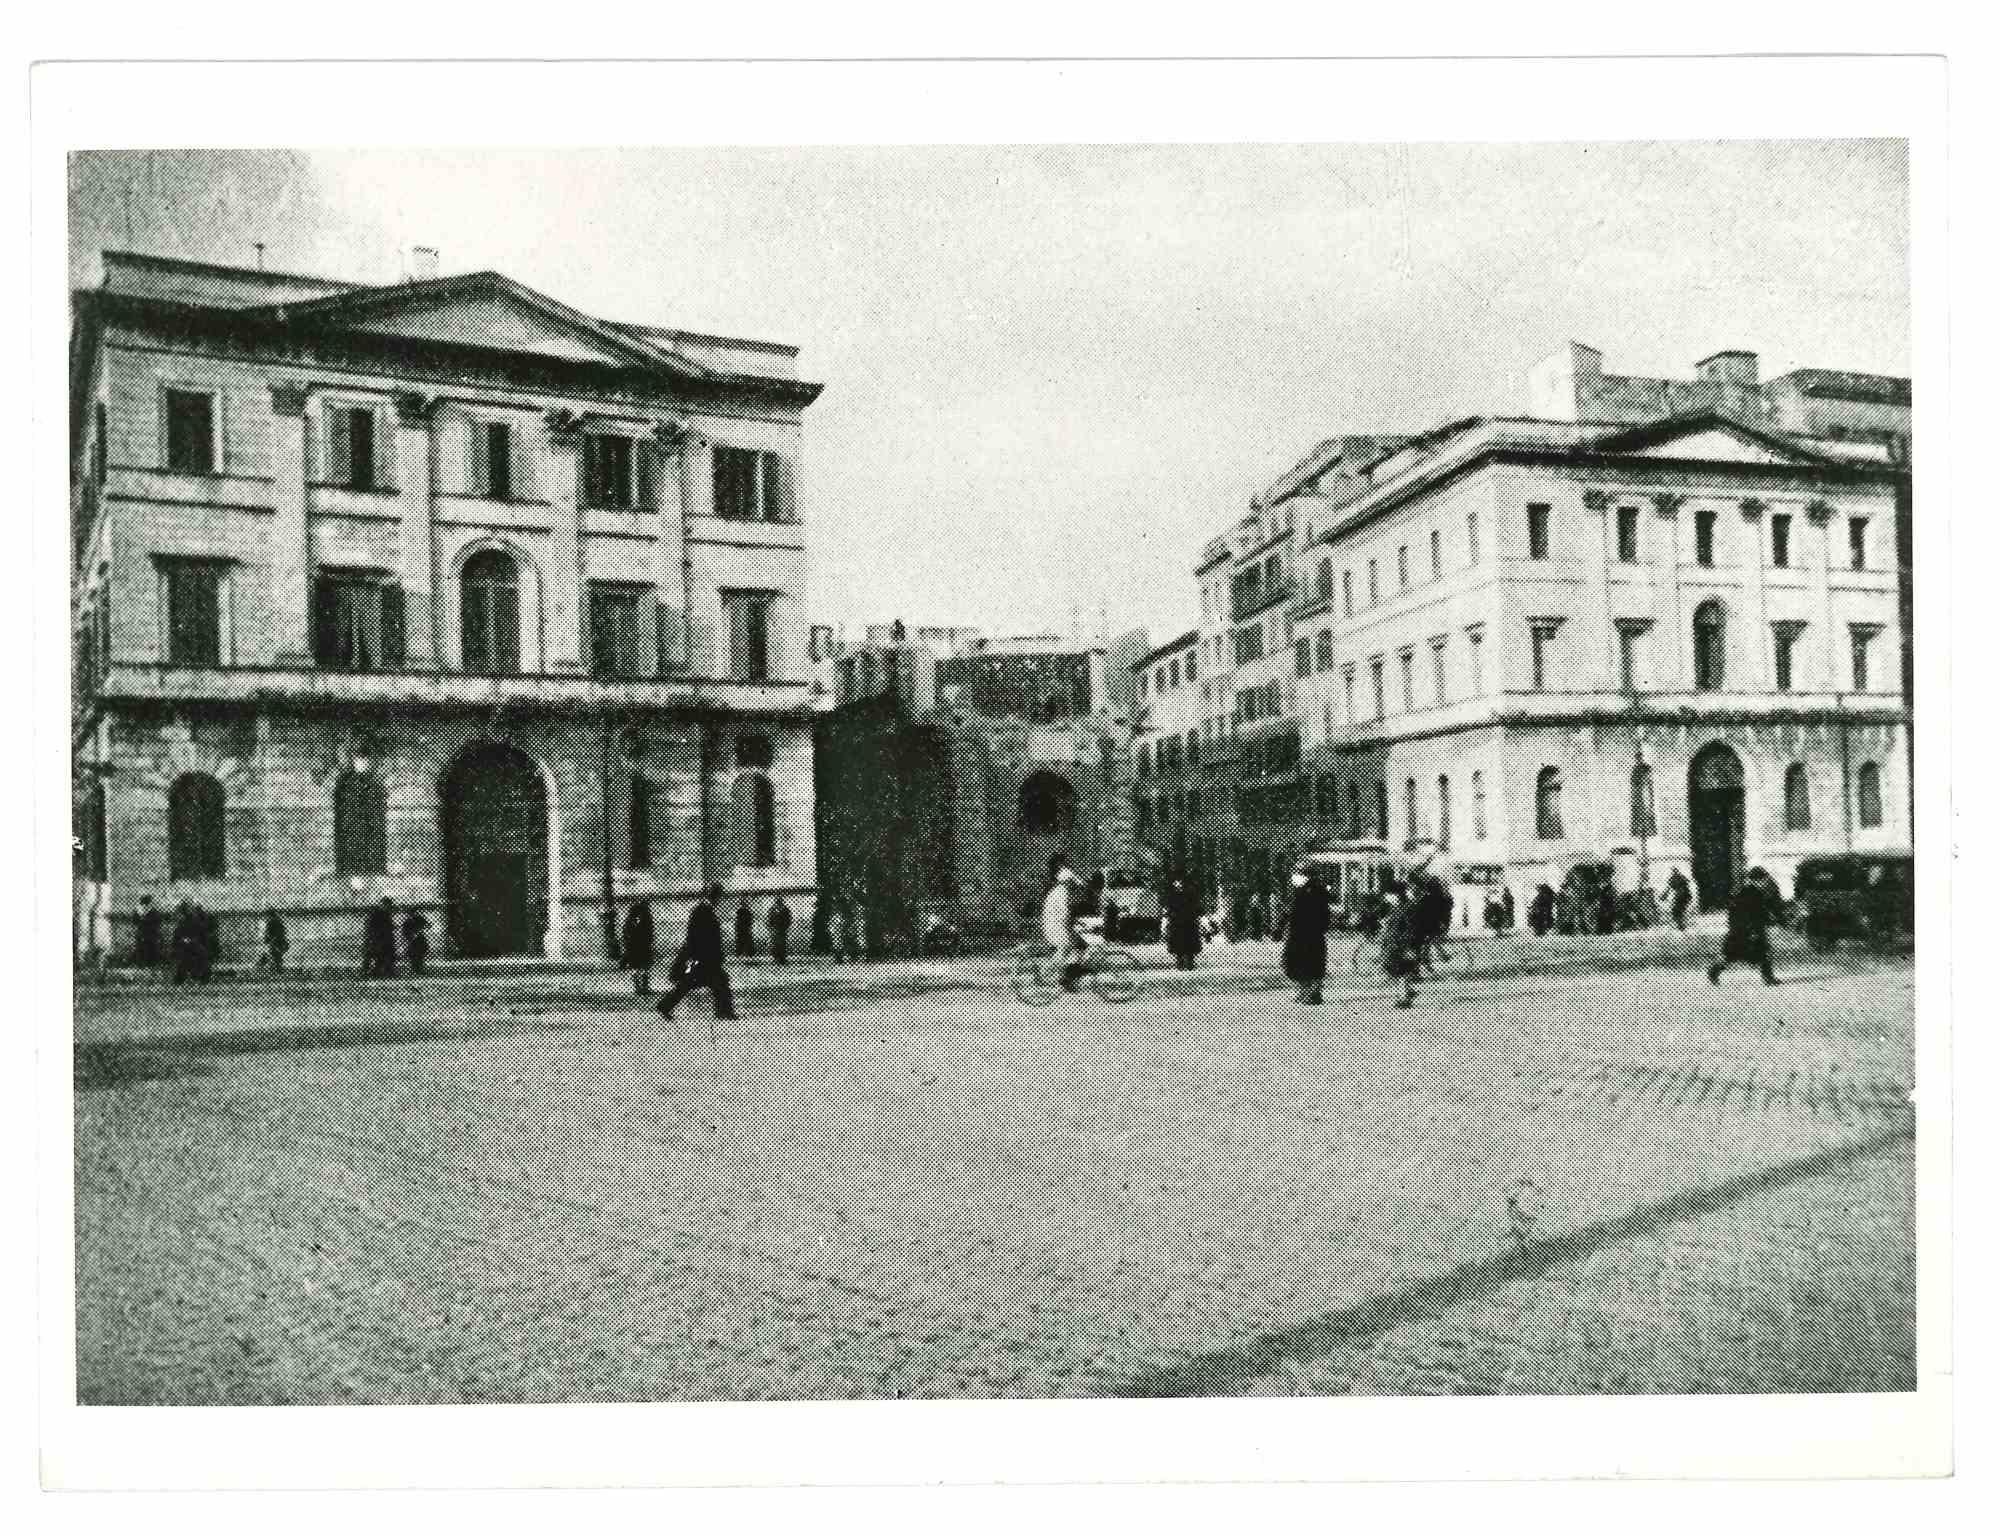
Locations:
(423, 263)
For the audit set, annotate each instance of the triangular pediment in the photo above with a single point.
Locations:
(1708, 439)
(497, 321)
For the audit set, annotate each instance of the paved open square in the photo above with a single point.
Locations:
(1574, 1166)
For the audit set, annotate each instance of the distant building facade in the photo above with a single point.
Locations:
(441, 591)
(952, 766)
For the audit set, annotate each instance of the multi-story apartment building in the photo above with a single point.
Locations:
(1664, 644)
(1168, 753)
(442, 591)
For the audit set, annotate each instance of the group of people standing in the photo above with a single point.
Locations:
(193, 943)
(378, 946)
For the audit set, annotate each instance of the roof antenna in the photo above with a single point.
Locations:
(259, 245)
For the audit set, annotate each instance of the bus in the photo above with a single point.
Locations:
(1138, 905)
(1353, 874)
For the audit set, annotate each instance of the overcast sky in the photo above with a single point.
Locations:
(1052, 373)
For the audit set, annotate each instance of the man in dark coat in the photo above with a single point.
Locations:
(276, 941)
(208, 942)
(1400, 942)
(1433, 915)
(1679, 897)
(149, 942)
(186, 943)
(1183, 914)
(378, 940)
(1542, 909)
(779, 921)
(416, 940)
(635, 945)
(1752, 910)
(1304, 927)
(746, 930)
(699, 963)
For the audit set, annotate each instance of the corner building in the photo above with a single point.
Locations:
(1672, 643)
(442, 591)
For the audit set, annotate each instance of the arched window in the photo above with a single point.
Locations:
(1409, 810)
(490, 613)
(1710, 644)
(194, 828)
(1048, 803)
(753, 751)
(755, 815)
(1478, 805)
(1444, 810)
(639, 824)
(1868, 795)
(1325, 590)
(1549, 803)
(1798, 799)
(360, 824)
(1642, 822)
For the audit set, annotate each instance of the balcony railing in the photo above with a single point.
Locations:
(1247, 604)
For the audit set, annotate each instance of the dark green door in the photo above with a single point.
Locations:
(496, 852)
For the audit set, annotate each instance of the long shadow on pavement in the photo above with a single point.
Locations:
(1227, 1371)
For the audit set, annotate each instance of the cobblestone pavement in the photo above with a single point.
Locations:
(1571, 1168)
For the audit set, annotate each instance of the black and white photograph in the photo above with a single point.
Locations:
(888, 773)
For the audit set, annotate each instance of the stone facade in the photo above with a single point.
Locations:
(625, 495)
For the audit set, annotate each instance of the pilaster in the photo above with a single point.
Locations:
(1598, 504)
(1758, 652)
(290, 552)
(563, 588)
(1673, 656)
(1820, 515)
(416, 470)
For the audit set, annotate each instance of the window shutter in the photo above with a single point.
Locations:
(643, 472)
(524, 464)
(781, 487)
(393, 647)
(506, 629)
(339, 446)
(739, 637)
(667, 634)
(472, 448)
(326, 621)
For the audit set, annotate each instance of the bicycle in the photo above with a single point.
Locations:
(1441, 954)
(1111, 973)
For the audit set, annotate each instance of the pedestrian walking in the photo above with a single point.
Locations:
(276, 942)
(378, 939)
(746, 930)
(1679, 898)
(1542, 910)
(1111, 916)
(1432, 917)
(1752, 910)
(1303, 928)
(149, 941)
(186, 943)
(1400, 944)
(1183, 914)
(779, 921)
(635, 945)
(1506, 909)
(699, 964)
(416, 941)
(1495, 913)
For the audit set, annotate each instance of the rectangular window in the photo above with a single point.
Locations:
(1302, 656)
(193, 591)
(357, 621)
(617, 647)
(1858, 639)
(1784, 642)
(352, 448)
(1375, 674)
(1408, 662)
(1403, 566)
(749, 635)
(1472, 538)
(1477, 639)
(1347, 593)
(496, 455)
(1781, 539)
(1437, 672)
(1628, 535)
(1538, 530)
(1323, 650)
(1187, 666)
(1538, 655)
(1374, 583)
(1857, 543)
(1704, 536)
(1631, 640)
(611, 471)
(1437, 555)
(190, 432)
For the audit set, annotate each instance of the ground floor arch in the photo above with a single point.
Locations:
(1715, 823)
(495, 818)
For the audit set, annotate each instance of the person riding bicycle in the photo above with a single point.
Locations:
(1431, 919)
(1059, 915)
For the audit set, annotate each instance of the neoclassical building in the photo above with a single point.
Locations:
(440, 590)
(1673, 643)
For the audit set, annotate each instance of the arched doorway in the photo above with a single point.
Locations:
(1715, 823)
(496, 851)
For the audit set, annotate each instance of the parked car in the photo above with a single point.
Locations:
(1870, 897)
